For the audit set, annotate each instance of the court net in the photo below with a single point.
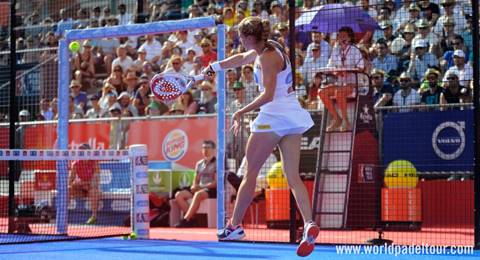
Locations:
(73, 194)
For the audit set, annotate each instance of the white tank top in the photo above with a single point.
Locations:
(283, 88)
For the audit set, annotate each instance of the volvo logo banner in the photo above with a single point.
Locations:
(436, 141)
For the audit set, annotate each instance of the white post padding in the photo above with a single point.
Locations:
(140, 219)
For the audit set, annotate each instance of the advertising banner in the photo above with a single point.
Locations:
(175, 140)
(432, 141)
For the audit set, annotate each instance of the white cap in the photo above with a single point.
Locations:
(124, 94)
(420, 43)
(397, 45)
(459, 53)
(24, 113)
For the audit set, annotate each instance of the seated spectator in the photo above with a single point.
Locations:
(402, 46)
(458, 44)
(153, 49)
(65, 23)
(188, 63)
(452, 89)
(147, 70)
(318, 38)
(141, 58)
(131, 83)
(406, 96)
(123, 59)
(176, 109)
(248, 82)
(46, 110)
(430, 11)
(75, 112)
(85, 55)
(384, 60)
(407, 18)
(449, 12)
(421, 60)
(430, 38)
(96, 13)
(462, 69)
(125, 103)
(239, 100)
(95, 111)
(382, 93)
(228, 16)
(232, 80)
(207, 101)
(386, 35)
(116, 79)
(54, 107)
(208, 54)
(448, 36)
(108, 99)
(189, 105)
(313, 62)
(156, 108)
(141, 97)
(79, 97)
(259, 10)
(203, 187)
(432, 77)
(175, 65)
(85, 77)
(123, 17)
(467, 43)
(197, 66)
(312, 89)
(430, 88)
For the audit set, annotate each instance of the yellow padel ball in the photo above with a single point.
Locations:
(275, 178)
(74, 46)
(401, 174)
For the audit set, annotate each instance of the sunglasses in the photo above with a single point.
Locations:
(432, 78)
(405, 80)
(452, 78)
(456, 43)
(377, 77)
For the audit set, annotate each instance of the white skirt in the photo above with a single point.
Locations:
(281, 116)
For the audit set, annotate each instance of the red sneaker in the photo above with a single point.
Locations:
(307, 244)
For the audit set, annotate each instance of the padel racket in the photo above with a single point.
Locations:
(169, 86)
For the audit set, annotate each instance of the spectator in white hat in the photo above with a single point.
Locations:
(125, 101)
(421, 60)
(24, 115)
(425, 34)
(462, 69)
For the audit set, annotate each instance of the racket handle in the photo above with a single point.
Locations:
(199, 77)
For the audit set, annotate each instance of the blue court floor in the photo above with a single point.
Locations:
(116, 248)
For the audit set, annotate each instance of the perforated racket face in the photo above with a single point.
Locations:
(167, 87)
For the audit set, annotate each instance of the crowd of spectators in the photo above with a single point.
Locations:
(422, 46)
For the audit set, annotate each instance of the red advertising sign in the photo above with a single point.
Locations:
(45, 180)
(177, 140)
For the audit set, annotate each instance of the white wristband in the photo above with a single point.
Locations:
(216, 66)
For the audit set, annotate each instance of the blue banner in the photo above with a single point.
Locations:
(432, 141)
